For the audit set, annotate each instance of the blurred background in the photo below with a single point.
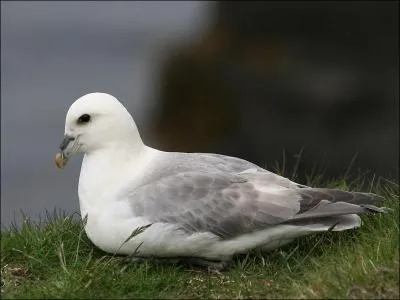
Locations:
(310, 87)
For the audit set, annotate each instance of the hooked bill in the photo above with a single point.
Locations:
(60, 160)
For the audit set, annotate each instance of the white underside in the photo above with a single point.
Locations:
(167, 240)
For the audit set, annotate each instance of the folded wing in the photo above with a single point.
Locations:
(229, 205)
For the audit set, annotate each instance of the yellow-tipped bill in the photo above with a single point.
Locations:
(60, 160)
(68, 147)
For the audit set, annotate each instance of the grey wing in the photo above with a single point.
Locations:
(177, 162)
(224, 204)
(229, 205)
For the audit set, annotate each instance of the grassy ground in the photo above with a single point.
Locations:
(56, 260)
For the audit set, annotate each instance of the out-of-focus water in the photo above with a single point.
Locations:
(54, 52)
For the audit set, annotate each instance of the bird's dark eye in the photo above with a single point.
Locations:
(83, 119)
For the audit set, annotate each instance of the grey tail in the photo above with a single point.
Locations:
(310, 197)
(318, 203)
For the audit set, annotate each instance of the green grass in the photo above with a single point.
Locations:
(55, 259)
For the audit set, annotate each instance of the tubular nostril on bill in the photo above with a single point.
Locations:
(65, 142)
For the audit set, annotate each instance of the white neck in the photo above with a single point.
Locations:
(98, 172)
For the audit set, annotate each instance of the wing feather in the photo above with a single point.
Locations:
(224, 204)
(229, 197)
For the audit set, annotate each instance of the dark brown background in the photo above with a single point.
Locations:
(269, 77)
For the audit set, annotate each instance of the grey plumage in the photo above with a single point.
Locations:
(214, 193)
(311, 197)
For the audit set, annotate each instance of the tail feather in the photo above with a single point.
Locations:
(311, 197)
(323, 209)
(326, 208)
(334, 223)
(374, 209)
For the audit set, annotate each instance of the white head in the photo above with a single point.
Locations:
(96, 121)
